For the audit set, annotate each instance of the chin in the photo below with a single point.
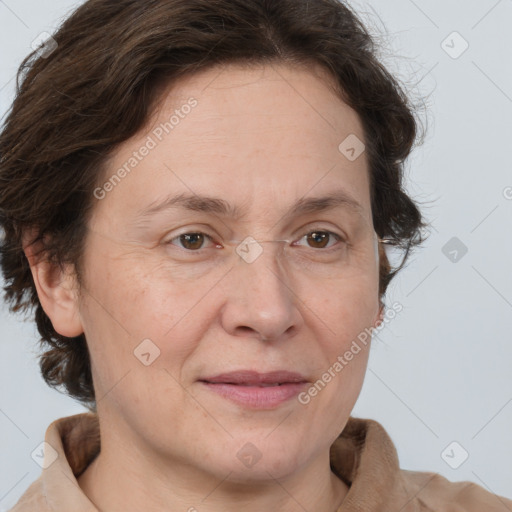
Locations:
(260, 473)
(258, 459)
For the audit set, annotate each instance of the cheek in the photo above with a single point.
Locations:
(130, 300)
(347, 306)
(139, 293)
(348, 310)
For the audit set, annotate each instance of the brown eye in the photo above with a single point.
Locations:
(320, 239)
(191, 241)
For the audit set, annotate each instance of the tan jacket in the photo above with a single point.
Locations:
(363, 456)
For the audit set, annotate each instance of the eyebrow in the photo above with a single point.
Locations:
(220, 207)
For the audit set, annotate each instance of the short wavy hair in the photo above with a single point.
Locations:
(78, 99)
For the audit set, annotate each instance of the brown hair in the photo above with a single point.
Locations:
(97, 87)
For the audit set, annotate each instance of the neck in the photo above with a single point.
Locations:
(123, 477)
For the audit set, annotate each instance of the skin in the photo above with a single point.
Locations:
(261, 138)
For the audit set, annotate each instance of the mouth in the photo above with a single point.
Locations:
(256, 390)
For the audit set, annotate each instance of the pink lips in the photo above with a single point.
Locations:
(257, 390)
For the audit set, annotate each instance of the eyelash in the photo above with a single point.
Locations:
(338, 237)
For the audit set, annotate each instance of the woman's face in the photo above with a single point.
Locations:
(167, 315)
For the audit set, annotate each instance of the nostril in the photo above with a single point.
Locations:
(245, 329)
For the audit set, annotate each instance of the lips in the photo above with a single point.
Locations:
(253, 378)
(254, 390)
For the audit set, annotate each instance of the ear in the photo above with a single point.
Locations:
(57, 289)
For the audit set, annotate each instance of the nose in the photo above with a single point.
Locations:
(261, 299)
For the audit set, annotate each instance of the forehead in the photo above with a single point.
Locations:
(272, 128)
(269, 100)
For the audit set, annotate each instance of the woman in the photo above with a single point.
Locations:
(196, 198)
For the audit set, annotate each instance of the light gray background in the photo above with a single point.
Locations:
(441, 370)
